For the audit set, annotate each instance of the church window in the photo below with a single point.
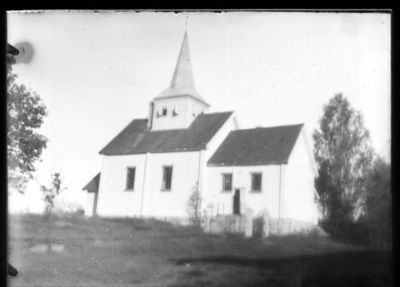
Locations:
(227, 182)
(164, 111)
(167, 178)
(256, 180)
(130, 178)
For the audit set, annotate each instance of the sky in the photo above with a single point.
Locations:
(97, 71)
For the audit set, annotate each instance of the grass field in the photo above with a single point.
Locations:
(136, 252)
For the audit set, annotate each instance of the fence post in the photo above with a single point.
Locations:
(249, 222)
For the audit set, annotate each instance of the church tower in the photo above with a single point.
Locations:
(178, 105)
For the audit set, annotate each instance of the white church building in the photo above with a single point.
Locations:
(153, 165)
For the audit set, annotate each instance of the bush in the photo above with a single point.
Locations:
(374, 225)
(354, 232)
(378, 204)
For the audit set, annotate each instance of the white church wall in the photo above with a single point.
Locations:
(169, 121)
(299, 180)
(195, 109)
(185, 174)
(222, 201)
(89, 204)
(212, 146)
(113, 199)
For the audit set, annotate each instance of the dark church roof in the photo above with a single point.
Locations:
(136, 139)
(258, 146)
(93, 184)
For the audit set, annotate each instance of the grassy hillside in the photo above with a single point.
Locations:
(131, 252)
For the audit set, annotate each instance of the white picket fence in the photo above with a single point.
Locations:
(261, 225)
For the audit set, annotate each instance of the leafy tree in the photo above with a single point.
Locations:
(25, 113)
(378, 204)
(49, 194)
(343, 155)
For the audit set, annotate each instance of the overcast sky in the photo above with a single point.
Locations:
(97, 71)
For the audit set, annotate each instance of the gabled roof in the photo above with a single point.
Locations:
(136, 139)
(182, 83)
(258, 146)
(93, 184)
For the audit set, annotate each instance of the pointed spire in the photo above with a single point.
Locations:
(183, 74)
(182, 83)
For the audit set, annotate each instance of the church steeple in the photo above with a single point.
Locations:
(178, 105)
(183, 74)
(182, 82)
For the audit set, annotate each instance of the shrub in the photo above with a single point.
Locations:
(355, 232)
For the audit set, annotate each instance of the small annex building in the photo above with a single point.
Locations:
(152, 167)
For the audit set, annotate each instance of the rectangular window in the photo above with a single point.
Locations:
(256, 179)
(167, 178)
(130, 178)
(226, 182)
(164, 111)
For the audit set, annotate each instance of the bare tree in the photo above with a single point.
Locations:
(194, 206)
(49, 194)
